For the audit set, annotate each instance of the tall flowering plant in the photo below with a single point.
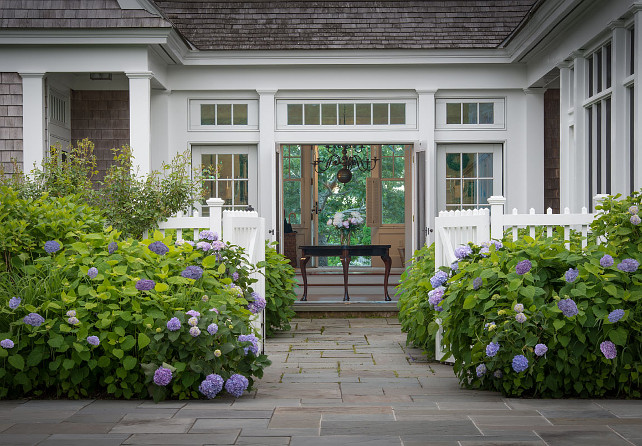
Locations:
(346, 223)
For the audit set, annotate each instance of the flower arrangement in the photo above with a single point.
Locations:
(346, 223)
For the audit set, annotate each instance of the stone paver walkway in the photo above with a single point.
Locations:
(332, 382)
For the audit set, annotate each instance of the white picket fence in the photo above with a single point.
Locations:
(456, 228)
(243, 228)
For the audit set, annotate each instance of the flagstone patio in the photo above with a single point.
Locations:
(332, 382)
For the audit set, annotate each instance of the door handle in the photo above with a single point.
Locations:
(316, 209)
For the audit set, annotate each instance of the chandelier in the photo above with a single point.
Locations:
(358, 158)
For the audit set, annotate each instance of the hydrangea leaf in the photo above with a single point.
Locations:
(56, 341)
(68, 364)
(611, 289)
(143, 340)
(17, 361)
(221, 268)
(120, 331)
(121, 270)
(158, 236)
(209, 262)
(618, 336)
(128, 343)
(84, 290)
(129, 362)
(564, 340)
(118, 353)
(161, 287)
(469, 302)
(558, 324)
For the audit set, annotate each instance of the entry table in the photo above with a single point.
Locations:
(345, 252)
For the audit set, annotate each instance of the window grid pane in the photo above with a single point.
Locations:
(469, 180)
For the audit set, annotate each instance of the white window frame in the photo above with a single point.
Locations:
(499, 113)
(194, 115)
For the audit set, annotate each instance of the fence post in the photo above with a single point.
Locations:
(598, 199)
(216, 215)
(496, 203)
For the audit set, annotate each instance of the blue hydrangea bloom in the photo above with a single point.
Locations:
(520, 317)
(520, 363)
(194, 331)
(212, 328)
(192, 272)
(477, 283)
(435, 296)
(571, 275)
(33, 319)
(14, 302)
(523, 267)
(485, 252)
(6, 343)
(92, 272)
(439, 279)
(93, 340)
(254, 348)
(606, 261)
(193, 321)
(205, 246)
(628, 265)
(634, 210)
(145, 285)
(211, 386)
(454, 266)
(173, 324)
(193, 313)
(518, 308)
(492, 349)
(481, 370)
(258, 304)
(52, 246)
(208, 235)
(112, 247)
(635, 220)
(235, 276)
(568, 307)
(608, 350)
(463, 251)
(162, 376)
(236, 385)
(541, 349)
(159, 248)
(73, 321)
(616, 315)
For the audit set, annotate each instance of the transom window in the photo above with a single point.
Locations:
(223, 114)
(470, 113)
(347, 114)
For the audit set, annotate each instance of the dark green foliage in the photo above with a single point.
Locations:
(279, 290)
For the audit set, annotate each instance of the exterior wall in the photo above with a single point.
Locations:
(552, 150)
(103, 117)
(10, 120)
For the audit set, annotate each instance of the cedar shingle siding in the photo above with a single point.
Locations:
(552, 150)
(279, 25)
(10, 120)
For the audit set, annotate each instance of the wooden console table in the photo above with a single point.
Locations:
(345, 252)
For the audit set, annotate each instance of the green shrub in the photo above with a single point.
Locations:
(57, 358)
(279, 290)
(27, 223)
(415, 313)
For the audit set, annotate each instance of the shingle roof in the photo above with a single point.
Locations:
(356, 24)
(50, 14)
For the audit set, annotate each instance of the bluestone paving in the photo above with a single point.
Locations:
(332, 382)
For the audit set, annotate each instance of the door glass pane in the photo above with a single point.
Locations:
(346, 114)
(295, 150)
(224, 114)
(470, 113)
(225, 166)
(240, 192)
(399, 166)
(452, 165)
(363, 114)
(393, 202)
(397, 113)
(240, 114)
(209, 189)
(468, 165)
(329, 114)
(485, 165)
(208, 164)
(225, 192)
(380, 114)
(387, 163)
(468, 192)
(208, 114)
(240, 166)
(486, 113)
(295, 114)
(387, 150)
(292, 201)
(453, 113)
(453, 191)
(312, 114)
(485, 191)
(295, 167)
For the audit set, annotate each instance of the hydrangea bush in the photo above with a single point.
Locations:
(123, 319)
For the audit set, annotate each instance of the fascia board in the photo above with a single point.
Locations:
(121, 36)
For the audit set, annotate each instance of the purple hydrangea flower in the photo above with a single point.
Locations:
(492, 349)
(212, 328)
(439, 279)
(235, 276)
(485, 252)
(33, 319)
(93, 340)
(218, 245)
(159, 248)
(628, 265)
(498, 374)
(205, 246)
(541, 349)
(52, 246)
(211, 386)
(194, 331)
(254, 348)
(481, 370)
(112, 247)
(193, 313)
(635, 220)
(606, 261)
(193, 321)
(71, 313)
(6, 343)
(258, 304)
(192, 272)
(454, 266)
(92, 272)
(523, 267)
(498, 244)
(616, 315)
(520, 317)
(567, 307)
(236, 385)
(463, 251)
(162, 376)
(518, 308)
(438, 309)
(634, 210)
(571, 275)
(520, 363)
(73, 321)
(145, 285)
(14, 302)
(435, 296)
(208, 235)
(608, 350)
(173, 324)
(477, 283)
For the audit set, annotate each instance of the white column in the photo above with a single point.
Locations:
(637, 182)
(619, 137)
(33, 120)
(426, 126)
(534, 140)
(577, 176)
(267, 163)
(566, 122)
(140, 120)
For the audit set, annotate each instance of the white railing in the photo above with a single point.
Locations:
(242, 228)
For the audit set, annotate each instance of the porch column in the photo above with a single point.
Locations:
(566, 128)
(33, 120)
(426, 126)
(534, 144)
(577, 176)
(267, 163)
(619, 112)
(637, 112)
(140, 120)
